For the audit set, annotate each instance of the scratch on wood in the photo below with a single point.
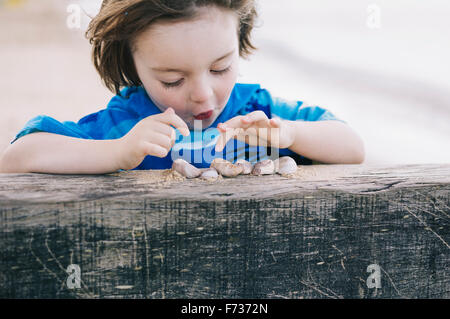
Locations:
(392, 283)
(334, 246)
(49, 271)
(427, 227)
(274, 259)
(433, 201)
(335, 296)
(147, 256)
(47, 234)
(40, 261)
(124, 287)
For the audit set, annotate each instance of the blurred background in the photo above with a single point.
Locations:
(382, 66)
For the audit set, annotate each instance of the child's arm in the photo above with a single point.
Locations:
(319, 134)
(309, 131)
(41, 152)
(332, 142)
(52, 153)
(327, 142)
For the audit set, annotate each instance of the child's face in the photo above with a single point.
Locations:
(191, 66)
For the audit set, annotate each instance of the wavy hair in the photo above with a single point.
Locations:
(112, 32)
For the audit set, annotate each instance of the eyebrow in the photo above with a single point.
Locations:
(181, 71)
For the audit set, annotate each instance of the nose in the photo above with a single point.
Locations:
(201, 91)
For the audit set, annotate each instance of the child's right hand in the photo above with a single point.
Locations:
(151, 136)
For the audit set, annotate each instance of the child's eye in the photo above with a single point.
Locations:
(220, 72)
(179, 82)
(173, 84)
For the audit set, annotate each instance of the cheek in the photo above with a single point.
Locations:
(163, 98)
(226, 86)
(168, 98)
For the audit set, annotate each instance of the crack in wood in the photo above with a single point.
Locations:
(383, 188)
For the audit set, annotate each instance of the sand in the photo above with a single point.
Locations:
(168, 177)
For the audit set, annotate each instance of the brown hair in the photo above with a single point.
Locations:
(119, 22)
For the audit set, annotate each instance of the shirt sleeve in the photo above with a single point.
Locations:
(288, 110)
(110, 123)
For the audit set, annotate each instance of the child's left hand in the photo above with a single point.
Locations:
(254, 126)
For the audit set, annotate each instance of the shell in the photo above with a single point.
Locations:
(209, 173)
(186, 169)
(265, 167)
(247, 166)
(285, 165)
(226, 168)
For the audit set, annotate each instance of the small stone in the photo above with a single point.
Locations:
(186, 169)
(226, 168)
(285, 165)
(265, 167)
(246, 165)
(209, 173)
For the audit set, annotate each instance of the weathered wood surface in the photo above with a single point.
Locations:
(310, 236)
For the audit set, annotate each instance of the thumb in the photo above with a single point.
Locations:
(274, 122)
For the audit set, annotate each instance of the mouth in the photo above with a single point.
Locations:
(204, 115)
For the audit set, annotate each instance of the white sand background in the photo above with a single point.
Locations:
(391, 83)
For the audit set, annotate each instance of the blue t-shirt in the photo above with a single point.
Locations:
(124, 112)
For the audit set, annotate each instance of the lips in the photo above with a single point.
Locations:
(204, 115)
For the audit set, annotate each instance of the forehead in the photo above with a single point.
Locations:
(208, 36)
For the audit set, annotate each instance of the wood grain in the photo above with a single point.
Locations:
(312, 235)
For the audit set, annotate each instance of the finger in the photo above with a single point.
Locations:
(171, 134)
(169, 117)
(173, 137)
(162, 128)
(222, 127)
(224, 138)
(221, 142)
(162, 140)
(234, 122)
(249, 136)
(274, 122)
(258, 117)
(154, 149)
(241, 121)
(274, 136)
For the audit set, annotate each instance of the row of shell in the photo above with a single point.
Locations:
(284, 166)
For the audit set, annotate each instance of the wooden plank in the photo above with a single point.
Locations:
(313, 235)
